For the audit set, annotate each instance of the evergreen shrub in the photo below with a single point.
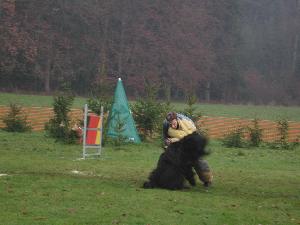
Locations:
(59, 126)
(255, 134)
(148, 113)
(282, 142)
(234, 139)
(15, 120)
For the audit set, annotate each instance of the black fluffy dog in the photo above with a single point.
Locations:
(176, 163)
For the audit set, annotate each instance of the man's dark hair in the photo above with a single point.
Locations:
(171, 116)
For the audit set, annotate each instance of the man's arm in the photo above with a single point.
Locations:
(187, 126)
(165, 131)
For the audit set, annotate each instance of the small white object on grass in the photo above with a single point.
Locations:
(77, 172)
(78, 159)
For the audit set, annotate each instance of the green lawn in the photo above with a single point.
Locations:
(248, 111)
(35, 100)
(243, 111)
(251, 186)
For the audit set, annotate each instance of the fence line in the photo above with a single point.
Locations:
(216, 127)
(38, 116)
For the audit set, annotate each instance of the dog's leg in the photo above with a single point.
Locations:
(203, 171)
(153, 179)
(189, 175)
(148, 185)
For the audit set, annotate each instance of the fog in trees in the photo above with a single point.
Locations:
(231, 51)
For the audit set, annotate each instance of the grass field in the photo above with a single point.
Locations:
(248, 111)
(251, 186)
(243, 111)
(34, 100)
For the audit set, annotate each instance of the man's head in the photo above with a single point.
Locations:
(172, 119)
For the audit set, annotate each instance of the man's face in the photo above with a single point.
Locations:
(173, 123)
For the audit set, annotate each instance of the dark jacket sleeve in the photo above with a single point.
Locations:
(165, 129)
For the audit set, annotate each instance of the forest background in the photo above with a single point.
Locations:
(230, 51)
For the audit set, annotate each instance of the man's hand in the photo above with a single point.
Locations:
(168, 141)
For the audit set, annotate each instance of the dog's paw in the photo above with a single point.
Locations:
(147, 185)
(192, 182)
(207, 184)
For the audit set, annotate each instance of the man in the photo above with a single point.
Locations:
(175, 127)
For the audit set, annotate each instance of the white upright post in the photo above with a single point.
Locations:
(84, 130)
(97, 147)
(101, 131)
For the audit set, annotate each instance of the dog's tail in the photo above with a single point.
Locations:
(148, 185)
(207, 151)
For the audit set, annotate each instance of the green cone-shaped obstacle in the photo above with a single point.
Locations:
(120, 120)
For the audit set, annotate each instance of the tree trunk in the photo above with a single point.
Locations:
(47, 81)
(207, 91)
(295, 49)
(47, 77)
(103, 56)
(102, 66)
(121, 49)
(296, 41)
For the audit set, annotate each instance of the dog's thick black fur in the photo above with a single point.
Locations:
(176, 163)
